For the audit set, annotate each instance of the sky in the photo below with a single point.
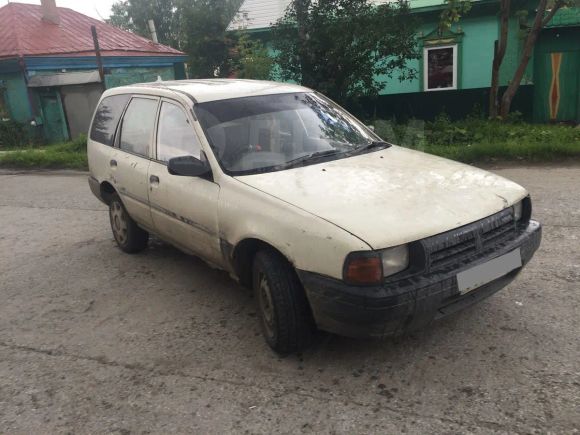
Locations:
(99, 9)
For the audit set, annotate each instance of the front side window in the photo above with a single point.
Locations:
(107, 118)
(276, 132)
(137, 127)
(175, 135)
(440, 68)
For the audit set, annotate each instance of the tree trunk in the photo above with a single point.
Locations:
(301, 8)
(539, 22)
(499, 53)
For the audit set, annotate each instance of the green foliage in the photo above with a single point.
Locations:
(120, 17)
(12, 134)
(253, 60)
(205, 39)
(133, 15)
(197, 27)
(454, 10)
(79, 145)
(68, 155)
(341, 47)
(473, 140)
(476, 139)
(443, 131)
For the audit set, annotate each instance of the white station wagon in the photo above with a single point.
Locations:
(332, 227)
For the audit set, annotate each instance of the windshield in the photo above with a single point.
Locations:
(274, 132)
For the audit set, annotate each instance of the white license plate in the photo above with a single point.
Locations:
(480, 275)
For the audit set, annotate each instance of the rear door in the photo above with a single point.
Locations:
(130, 162)
(102, 135)
(184, 209)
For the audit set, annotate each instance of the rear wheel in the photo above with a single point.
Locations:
(128, 235)
(285, 315)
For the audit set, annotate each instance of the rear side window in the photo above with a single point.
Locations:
(137, 127)
(107, 118)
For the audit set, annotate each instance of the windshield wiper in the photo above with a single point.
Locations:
(372, 145)
(311, 156)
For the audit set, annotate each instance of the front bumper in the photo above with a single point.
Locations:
(406, 305)
(96, 188)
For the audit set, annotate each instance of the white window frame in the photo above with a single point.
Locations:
(426, 68)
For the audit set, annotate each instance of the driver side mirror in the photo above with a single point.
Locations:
(188, 166)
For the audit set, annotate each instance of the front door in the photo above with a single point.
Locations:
(130, 161)
(557, 87)
(54, 124)
(184, 209)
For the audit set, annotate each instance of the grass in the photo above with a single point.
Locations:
(68, 155)
(477, 140)
(473, 140)
(516, 151)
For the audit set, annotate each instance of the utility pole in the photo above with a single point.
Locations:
(98, 55)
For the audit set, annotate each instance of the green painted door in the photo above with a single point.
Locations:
(53, 118)
(557, 87)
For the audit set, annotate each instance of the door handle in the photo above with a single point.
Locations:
(154, 179)
(113, 163)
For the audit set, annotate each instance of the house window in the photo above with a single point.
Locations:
(440, 68)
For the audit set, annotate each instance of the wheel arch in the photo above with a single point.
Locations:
(243, 257)
(107, 191)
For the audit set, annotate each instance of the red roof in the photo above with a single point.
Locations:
(24, 33)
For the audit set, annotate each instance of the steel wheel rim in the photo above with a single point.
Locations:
(119, 222)
(266, 305)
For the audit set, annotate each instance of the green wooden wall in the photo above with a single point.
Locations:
(475, 55)
(16, 96)
(128, 76)
(557, 75)
(47, 101)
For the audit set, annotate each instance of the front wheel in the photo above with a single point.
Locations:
(285, 315)
(128, 235)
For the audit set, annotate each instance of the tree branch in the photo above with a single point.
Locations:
(552, 12)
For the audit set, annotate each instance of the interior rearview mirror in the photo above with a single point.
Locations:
(188, 166)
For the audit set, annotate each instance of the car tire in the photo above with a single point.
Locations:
(285, 314)
(128, 235)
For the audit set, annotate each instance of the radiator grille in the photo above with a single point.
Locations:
(463, 244)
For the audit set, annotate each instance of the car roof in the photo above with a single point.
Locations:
(205, 90)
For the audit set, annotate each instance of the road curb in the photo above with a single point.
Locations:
(66, 172)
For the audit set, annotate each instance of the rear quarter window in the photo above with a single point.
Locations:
(107, 118)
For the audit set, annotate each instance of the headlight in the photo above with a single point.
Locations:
(395, 259)
(523, 210)
(370, 267)
(518, 208)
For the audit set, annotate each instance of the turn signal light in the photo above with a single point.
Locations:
(363, 270)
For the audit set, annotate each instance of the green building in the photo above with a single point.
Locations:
(50, 75)
(455, 67)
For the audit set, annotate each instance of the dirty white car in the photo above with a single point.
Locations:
(332, 227)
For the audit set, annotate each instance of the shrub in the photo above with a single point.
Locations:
(67, 155)
(79, 145)
(12, 134)
(475, 139)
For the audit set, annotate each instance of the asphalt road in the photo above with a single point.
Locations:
(96, 341)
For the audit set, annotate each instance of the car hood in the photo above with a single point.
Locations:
(392, 196)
